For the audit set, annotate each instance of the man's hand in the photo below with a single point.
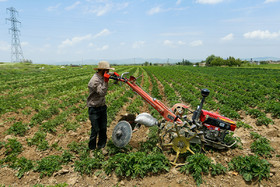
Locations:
(114, 73)
(106, 77)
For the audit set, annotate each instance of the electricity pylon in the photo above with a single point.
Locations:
(16, 51)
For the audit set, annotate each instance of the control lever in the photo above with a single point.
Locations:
(196, 114)
(122, 76)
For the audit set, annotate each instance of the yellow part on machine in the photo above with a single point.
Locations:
(180, 144)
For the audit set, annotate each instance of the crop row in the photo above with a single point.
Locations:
(229, 95)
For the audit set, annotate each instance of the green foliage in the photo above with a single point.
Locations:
(39, 117)
(88, 165)
(263, 120)
(23, 165)
(250, 167)
(13, 148)
(184, 63)
(218, 61)
(48, 165)
(199, 164)
(18, 128)
(229, 139)
(255, 135)
(26, 62)
(112, 149)
(83, 116)
(243, 124)
(255, 113)
(56, 185)
(218, 169)
(71, 126)
(56, 146)
(209, 59)
(261, 146)
(135, 106)
(2, 144)
(39, 139)
(151, 144)
(136, 164)
(229, 112)
(80, 148)
(67, 156)
(50, 125)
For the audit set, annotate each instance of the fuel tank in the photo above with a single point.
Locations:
(217, 120)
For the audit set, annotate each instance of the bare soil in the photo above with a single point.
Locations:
(172, 178)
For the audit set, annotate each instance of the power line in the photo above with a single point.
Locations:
(16, 51)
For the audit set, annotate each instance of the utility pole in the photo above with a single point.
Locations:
(16, 51)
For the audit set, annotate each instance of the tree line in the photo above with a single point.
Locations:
(213, 60)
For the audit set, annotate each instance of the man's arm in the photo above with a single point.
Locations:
(96, 86)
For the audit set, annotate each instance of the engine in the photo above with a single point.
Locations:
(216, 126)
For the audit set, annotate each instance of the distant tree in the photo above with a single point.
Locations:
(238, 62)
(26, 61)
(217, 61)
(230, 61)
(184, 63)
(263, 62)
(146, 63)
(209, 59)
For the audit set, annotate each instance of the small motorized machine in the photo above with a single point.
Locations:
(176, 130)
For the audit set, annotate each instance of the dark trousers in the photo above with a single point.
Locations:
(98, 119)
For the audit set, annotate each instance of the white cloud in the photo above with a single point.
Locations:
(121, 6)
(271, 1)
(24, 43)
(138, 44)
(227, 37)
(104, 32)
(181, 43)
(4, 46)
(172, 43)
(178, 2)
(154, 10)
(158, 9)
(78, 39)
(101, 8)
(71, 7)
(168, 43)
(181, 34)
(104, 47)
(53, 8)
(196, 43)
(3, 0)
(259, 34)
(74, 40)
(209, 1)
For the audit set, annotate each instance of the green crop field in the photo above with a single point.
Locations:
(45, 128)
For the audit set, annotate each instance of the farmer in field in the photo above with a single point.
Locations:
(97, 108)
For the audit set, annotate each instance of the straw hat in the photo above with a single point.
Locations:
(103, 65)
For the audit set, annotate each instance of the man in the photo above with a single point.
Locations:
(97, 108)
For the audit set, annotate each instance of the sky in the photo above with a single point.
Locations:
(80, 30)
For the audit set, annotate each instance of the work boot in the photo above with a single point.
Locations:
(92, 144)
(101, 146)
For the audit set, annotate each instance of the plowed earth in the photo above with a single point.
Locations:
(172, 178)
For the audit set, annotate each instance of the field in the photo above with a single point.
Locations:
(45, 128)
